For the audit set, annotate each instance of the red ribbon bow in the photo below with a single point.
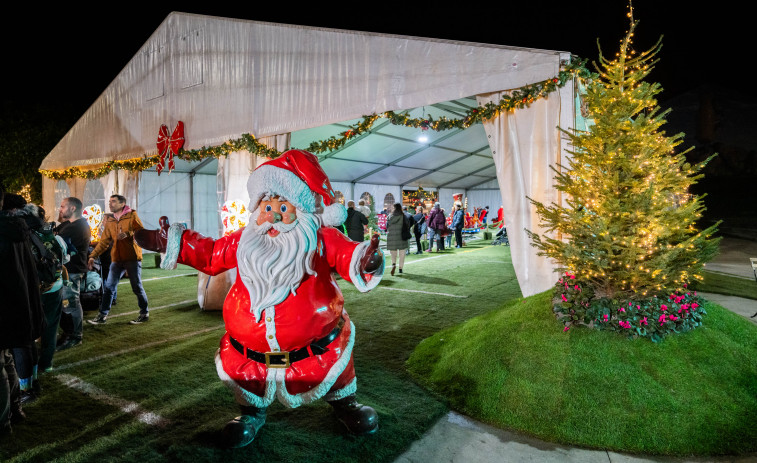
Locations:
(169, 145)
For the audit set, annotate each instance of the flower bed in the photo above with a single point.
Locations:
(652, 317)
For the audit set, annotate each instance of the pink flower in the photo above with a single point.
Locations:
(663, 307)
(684, 307)
(625, 325)
(621, 309)
(566, 329)
(638, 307)
(630, 304)
(685, 285)
(564, 299)
(694, 305)
(643, 321)
(661, 319)
(606, 317)
(577, 288)
(673, 317)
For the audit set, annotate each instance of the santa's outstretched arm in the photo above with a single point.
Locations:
(362, 264)
(189, 247)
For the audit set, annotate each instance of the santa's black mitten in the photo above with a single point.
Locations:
(153, 240)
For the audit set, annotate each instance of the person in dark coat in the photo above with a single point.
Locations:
(355, 223)
(394, 241)
(20, 313)
(419, 220)
(74, 228)
(457, 225)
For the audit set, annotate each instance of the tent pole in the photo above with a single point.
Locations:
(192, 200)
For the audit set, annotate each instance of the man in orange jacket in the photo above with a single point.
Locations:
(126, 256)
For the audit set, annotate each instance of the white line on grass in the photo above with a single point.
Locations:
(98, 394)
(159, 278)
(418, 291)
(134, 349)
(153, 308)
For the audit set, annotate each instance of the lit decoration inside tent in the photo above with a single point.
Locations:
(234, 216)
(94, 216)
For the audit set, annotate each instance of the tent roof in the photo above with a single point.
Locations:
(225, 77)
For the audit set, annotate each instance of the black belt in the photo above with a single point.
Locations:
(284, 359)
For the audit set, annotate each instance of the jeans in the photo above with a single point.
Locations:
(117, 269)
(10, 392)
(431, 235)
(52, 304)
(459, 236)
(73, 313)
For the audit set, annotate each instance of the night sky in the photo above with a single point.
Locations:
(68, 56)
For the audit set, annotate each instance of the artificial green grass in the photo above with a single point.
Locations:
(720, 283)
(515, 368)
(166, 367)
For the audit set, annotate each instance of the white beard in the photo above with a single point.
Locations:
(273, 267)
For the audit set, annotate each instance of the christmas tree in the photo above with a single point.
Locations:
(627, 229)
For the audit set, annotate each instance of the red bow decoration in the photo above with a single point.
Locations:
(169, 145)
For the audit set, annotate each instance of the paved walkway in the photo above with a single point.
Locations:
(458, 439)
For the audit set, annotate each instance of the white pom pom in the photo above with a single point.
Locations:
(334, 215)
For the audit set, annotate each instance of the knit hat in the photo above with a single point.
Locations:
(297, 176)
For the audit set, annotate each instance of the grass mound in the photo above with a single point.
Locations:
(515, 368)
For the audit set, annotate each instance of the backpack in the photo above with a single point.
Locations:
(406, 235)
(47, 255)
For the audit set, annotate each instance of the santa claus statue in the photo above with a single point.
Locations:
(288, 337)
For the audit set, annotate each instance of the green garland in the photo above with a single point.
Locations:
(517, 99)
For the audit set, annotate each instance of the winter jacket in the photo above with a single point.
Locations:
(354, 225)
(436, 219)
(79, 235)
(123, 250)
(419, 219)
(457, 219)
(394, 226)
(21, 316)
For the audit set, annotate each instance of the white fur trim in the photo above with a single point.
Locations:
(294, 401)
(334, 215)
(279, 182)
(356, 273)
(173, 246)
(243, 396)
(343, 392)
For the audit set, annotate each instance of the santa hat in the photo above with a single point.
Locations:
(297, 176)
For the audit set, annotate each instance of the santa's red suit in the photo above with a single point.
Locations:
(314, 312)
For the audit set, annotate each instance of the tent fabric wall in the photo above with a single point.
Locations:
(294, 78)
(524, 145)
(483, 198)
(169, 195)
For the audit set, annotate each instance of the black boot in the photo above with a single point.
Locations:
(358, 418)
(241, 431)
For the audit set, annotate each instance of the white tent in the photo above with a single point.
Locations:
(290, 85)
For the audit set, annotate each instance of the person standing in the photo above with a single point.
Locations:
(457, 225)
(74, 229)
(394, 241)
(436, 225)
(355, 223)
(126, 256)
(419, 219)
(21, 316)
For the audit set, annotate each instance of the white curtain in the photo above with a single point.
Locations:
(524, 144)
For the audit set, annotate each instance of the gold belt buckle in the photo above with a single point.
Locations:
(277, 359)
